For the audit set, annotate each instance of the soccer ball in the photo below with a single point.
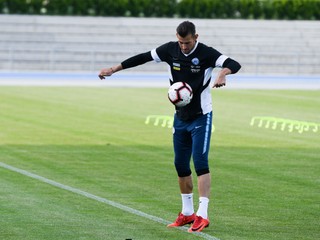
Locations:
(180, 94)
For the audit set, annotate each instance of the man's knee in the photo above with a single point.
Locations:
(202, 171)
(183, 171)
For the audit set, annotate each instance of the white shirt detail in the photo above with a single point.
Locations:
(155, 56)
(169, 73)
(206, 99)
(195, 47)
(221, 60)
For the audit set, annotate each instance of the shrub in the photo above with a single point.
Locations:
(245, 9)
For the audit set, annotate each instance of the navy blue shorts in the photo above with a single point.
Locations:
(192, 138)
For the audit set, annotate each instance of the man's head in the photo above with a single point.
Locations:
(187, 37)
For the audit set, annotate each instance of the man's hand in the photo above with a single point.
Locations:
(105, 72)
(220, 81)
(221, 78)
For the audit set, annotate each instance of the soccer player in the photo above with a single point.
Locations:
(192, 62)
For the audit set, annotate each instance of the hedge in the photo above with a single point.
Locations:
(243, 9)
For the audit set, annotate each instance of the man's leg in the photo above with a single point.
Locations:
(204, 185)
(201, 220)
(186, 187)
(201, 135)
(186, 216)
(185, 184)
(182, 144)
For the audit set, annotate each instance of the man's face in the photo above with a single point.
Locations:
(187, 43)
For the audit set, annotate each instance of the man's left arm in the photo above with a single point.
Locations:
(229, 66)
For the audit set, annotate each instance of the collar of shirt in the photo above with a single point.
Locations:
(195, 47)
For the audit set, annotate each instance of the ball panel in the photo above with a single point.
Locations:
(180, 94)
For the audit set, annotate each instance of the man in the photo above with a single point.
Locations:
(191, 62)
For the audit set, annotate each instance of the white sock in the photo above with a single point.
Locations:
(187, 204)
(203, 207)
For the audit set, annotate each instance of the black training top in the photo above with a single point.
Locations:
(194, 68)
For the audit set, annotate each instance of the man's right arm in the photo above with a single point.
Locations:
(136, 60)
(128, 63)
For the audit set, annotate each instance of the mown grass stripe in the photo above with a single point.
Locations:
(99, 199)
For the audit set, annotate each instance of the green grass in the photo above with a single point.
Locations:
(265, 183)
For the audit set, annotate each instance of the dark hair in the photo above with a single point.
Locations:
(185, 28)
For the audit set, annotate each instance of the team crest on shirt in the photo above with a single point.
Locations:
(195, 61)
(195, 68)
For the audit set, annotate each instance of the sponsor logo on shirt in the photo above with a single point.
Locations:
(195, 69)
(176, 66)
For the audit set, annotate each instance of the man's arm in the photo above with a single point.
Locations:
(106, 72)
(230, 66)
(128, 63)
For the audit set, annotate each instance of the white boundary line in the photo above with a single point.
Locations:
(153, 80)
(100, 199)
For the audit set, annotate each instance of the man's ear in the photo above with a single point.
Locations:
(196, 36)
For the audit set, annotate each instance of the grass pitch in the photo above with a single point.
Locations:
(265, 183)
